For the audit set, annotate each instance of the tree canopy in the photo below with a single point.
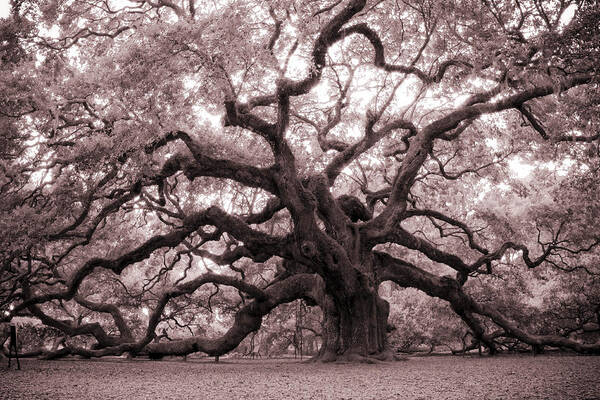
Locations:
(169, 165)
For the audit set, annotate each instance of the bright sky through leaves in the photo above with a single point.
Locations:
(4, 8)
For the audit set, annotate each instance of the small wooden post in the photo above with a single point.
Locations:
(13, 346)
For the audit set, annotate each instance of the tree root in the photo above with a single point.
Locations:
(351, 357)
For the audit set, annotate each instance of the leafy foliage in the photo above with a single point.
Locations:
(175, 176)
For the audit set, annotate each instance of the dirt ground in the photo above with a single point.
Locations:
(504, 377)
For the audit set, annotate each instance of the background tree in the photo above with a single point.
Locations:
(161, 156)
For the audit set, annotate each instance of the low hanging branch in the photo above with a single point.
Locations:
(212, 216)
(408, 275)
(247, 320)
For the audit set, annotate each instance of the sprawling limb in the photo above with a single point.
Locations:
(371, 138)
(422, 145)
(85, 224)
(476, 328)
(380, 62)
(247, 320)
(254, 240)
(538, 126)
(483, 264)
(408, 275)
(68, 328)
(452, 221)
(205, 165)
(407, 239)
(111, 309)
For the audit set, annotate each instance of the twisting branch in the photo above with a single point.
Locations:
(380, 62)
(400, 124)
(333, 121)
(422, 144)
(452, 221)
(276, 32)
(476, 328)
(513, 101)
(204, 165)
(539, 127)
(68, 41)
(239, 114)
(247, 320)
(110, 309)
(155, 317)
(550, 249)
(328, 36)
(535, 124)
(93, 329)
(327, 8)
(454, 176)
(370, 138)
(271, 208)
(255, 241)
(407, 275)
(404, 238)
(87, 203)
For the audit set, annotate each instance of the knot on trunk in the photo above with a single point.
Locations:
(450, 282)
(354, 209)
(308, 249)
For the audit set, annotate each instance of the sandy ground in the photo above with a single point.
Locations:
(505, 377)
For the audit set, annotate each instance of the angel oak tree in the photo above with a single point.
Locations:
(424, 142)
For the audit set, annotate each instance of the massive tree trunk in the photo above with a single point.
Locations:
(355, 328)
(355, 318)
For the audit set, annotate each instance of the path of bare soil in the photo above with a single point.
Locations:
(505, 377)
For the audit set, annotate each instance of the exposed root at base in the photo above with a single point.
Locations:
(357, 358)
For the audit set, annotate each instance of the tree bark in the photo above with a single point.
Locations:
(354, 328)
